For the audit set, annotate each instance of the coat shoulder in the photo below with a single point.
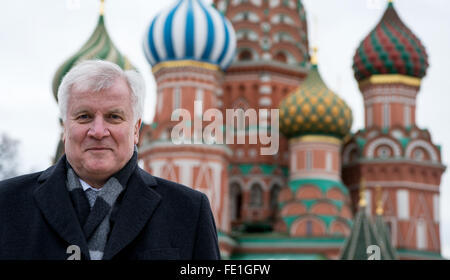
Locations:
(174, 192)
(19, 184)
(178, 189)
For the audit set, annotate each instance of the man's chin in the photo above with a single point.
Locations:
(103, 167)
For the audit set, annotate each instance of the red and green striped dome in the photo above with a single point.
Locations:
(390, 48)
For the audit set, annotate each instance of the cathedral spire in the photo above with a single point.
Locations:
(379, 201)
(102, 7)
(362, 193)
(314, 59)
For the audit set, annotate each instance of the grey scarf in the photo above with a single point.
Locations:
(97, 225)
(96, 210)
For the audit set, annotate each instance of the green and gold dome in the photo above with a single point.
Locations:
(314, 109)
(98, 46)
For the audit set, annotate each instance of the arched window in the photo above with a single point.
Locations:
(235, 202)
(384, 151)
(274, 193)
(281, 57)
(247, 34)
(245, 55)
(309, 228)
(418, 154)
(256, 195)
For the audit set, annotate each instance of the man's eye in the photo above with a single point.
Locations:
(83, 117)
(116, 117)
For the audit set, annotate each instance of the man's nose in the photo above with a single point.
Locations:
(98, 129)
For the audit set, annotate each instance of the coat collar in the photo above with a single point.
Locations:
(54, 201)
(139, 202)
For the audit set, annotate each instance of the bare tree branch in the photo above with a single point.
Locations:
(8, 156)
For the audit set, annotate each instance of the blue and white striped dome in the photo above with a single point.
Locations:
(190, 30)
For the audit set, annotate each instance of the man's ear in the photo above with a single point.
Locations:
(136, 131)
(64, 133)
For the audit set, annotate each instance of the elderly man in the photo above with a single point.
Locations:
(96, 203)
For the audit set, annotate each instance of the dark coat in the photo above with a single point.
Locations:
(157, 219)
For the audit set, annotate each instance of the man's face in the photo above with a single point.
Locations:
(100, 132)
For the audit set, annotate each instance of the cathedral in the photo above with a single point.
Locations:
(326, 192)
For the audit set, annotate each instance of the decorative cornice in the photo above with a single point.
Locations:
(391, 79)
(397, 184)
(200, 77)
(269, 66)
(185, 63)
(315, 173)
(161, 144)
(181, 84)
(390, 89)
(396, 160)
(390, 99)
(317, 139)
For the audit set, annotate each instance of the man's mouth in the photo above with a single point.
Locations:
(98, 149)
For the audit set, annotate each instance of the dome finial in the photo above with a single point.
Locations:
(362, 193)
(314, 56)
(102, 7)
(379, 209)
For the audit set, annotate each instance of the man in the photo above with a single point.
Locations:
(96, 203)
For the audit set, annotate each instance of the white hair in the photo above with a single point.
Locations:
(97, 75)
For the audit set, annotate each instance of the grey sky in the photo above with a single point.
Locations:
(37, 36)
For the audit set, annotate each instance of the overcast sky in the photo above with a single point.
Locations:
(36, 37)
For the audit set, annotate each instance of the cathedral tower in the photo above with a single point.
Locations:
(392, 151)
(315, 120)
(98, 46)
(189, 45)
(271, 61)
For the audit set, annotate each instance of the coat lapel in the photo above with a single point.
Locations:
(138, 204)
(53, 199)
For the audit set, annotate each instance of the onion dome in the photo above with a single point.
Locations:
(390, 48)
(98, 46)
(314, 109)
(190, 30)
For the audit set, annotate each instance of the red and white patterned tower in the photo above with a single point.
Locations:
(189, 45)
(392, 151)
(271, 61)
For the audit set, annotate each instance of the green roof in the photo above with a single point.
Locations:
(384, 233)
(267, 169)
(282, 238)
(361, 142)
(323, 184)
(364, 234)
(327, 219)
(419, 254)
(245, 168)
(311, 202)
(276, 256)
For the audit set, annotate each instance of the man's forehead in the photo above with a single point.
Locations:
(107, 94)
(99, 101)
(98, 84)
